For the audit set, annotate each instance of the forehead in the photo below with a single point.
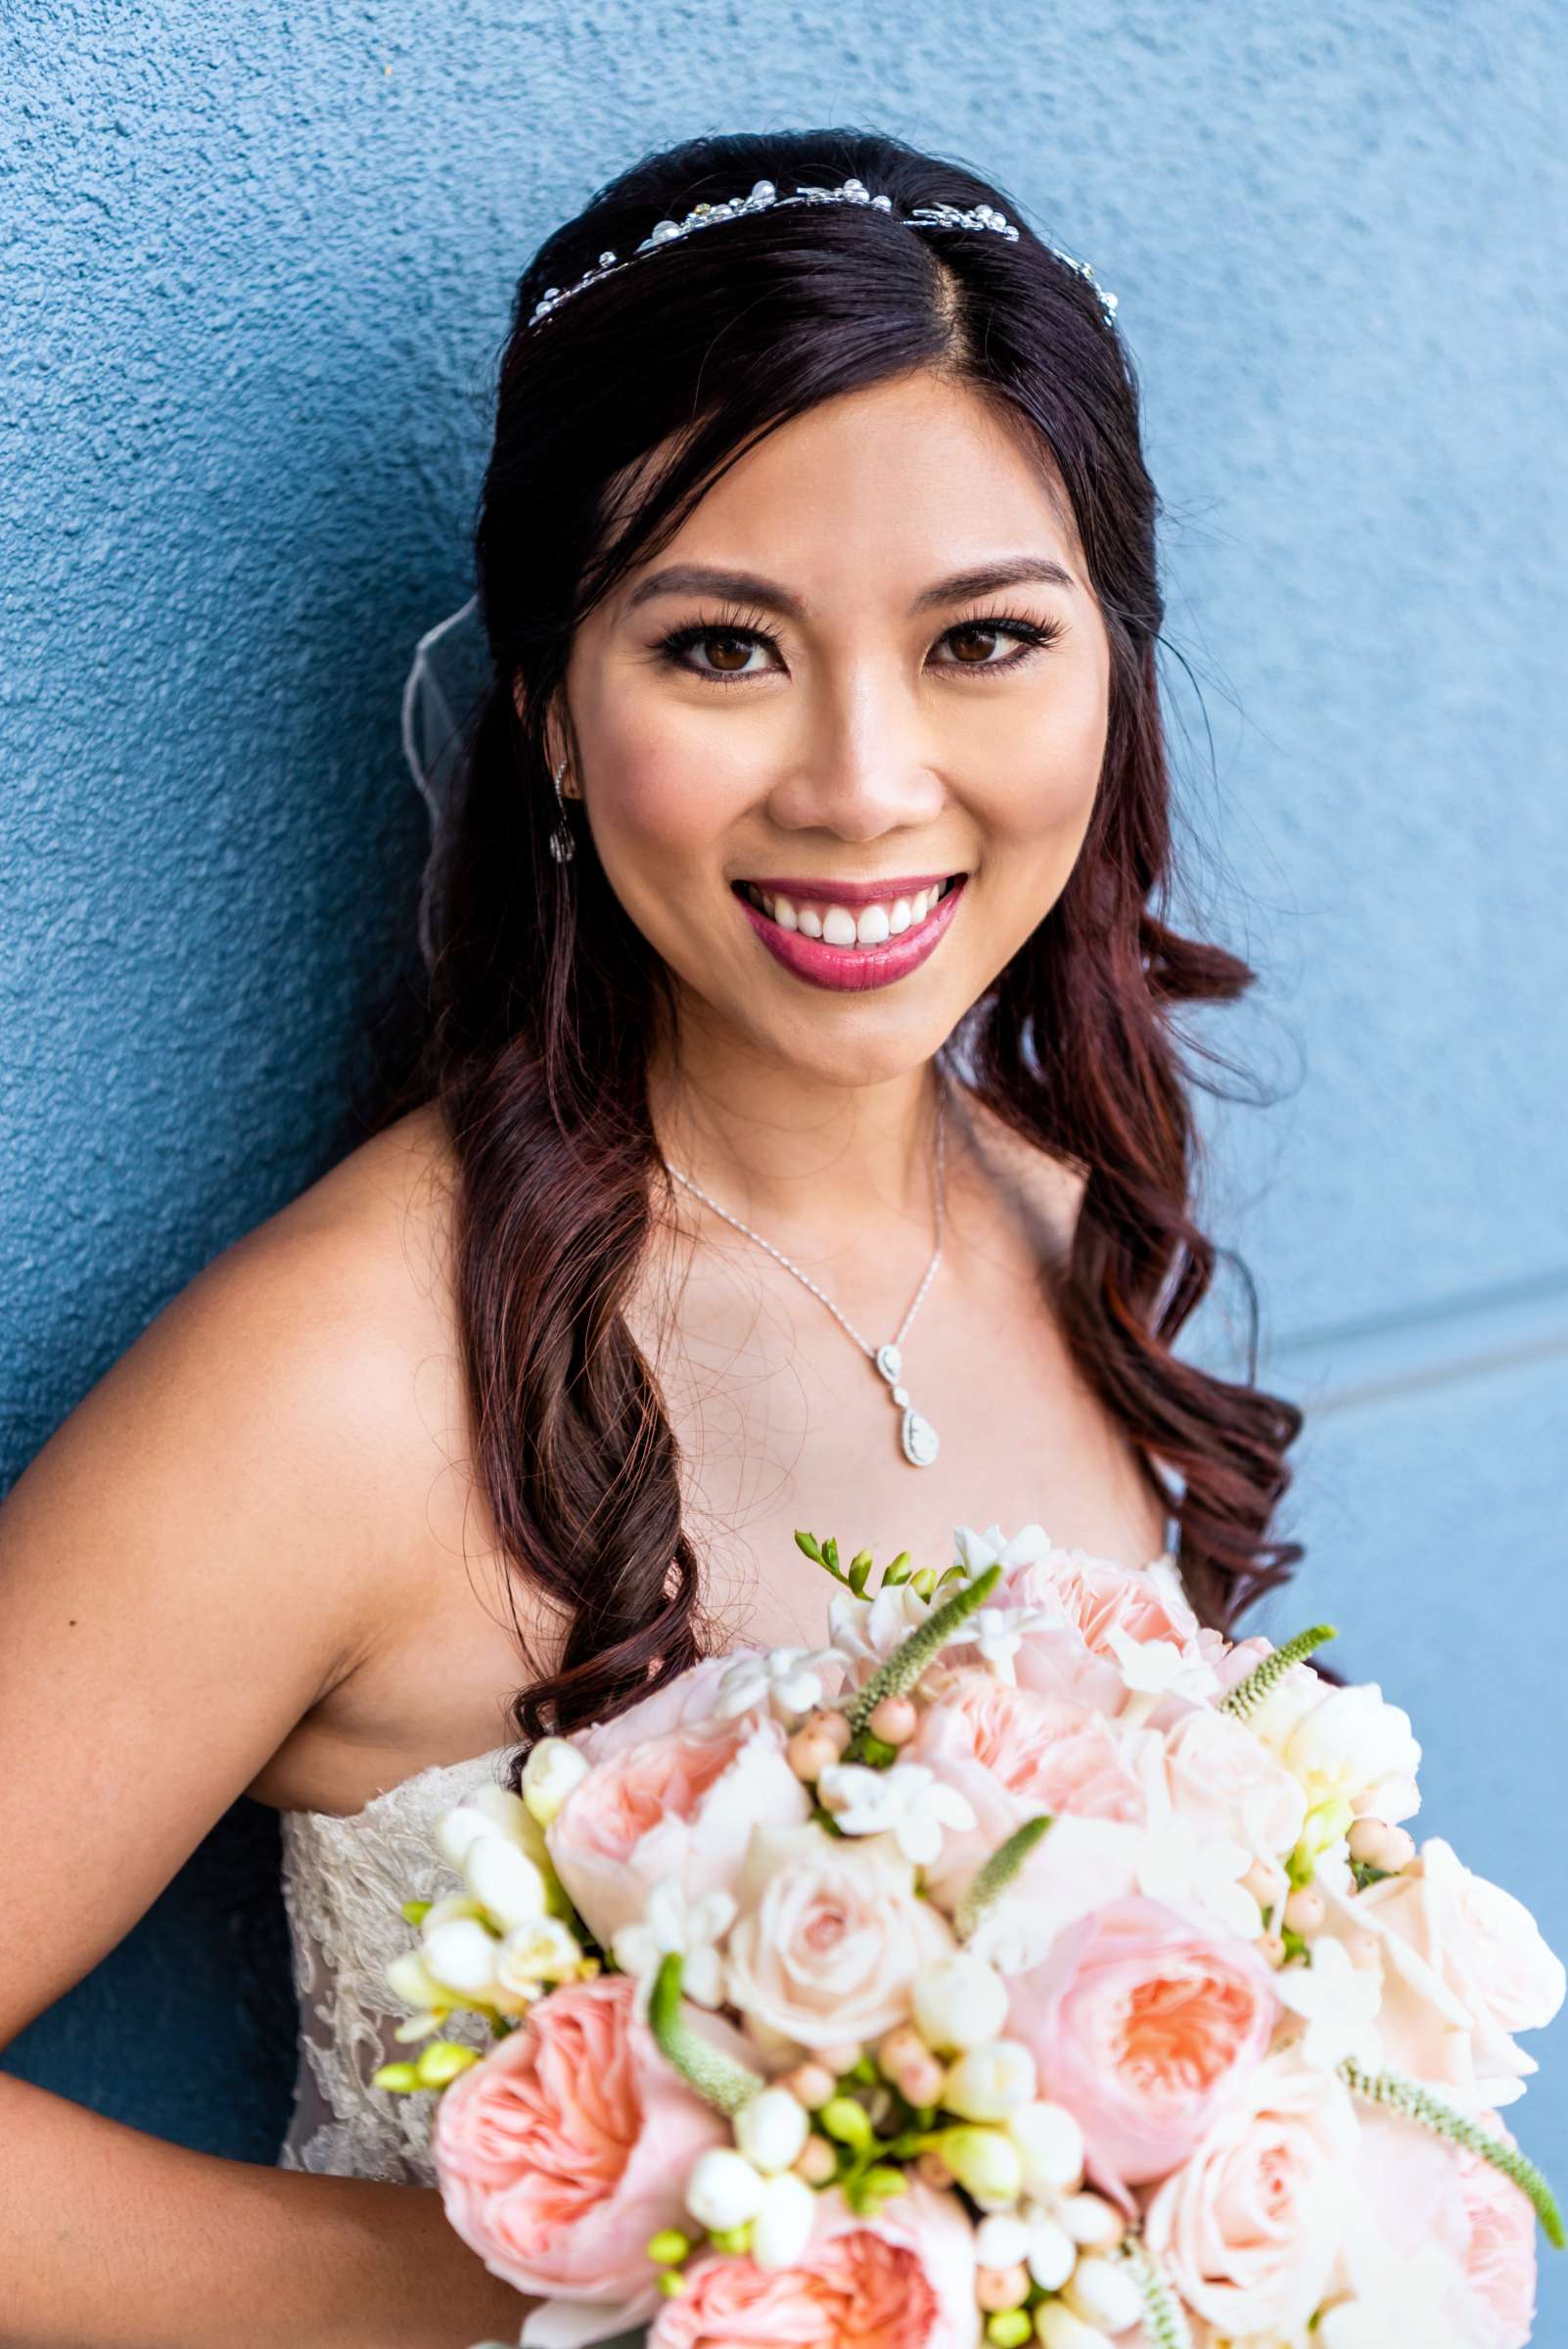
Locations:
(878, 489)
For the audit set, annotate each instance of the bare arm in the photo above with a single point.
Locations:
(186, 1568)
(113, 2240)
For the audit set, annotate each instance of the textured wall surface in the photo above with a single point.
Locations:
(257, 265)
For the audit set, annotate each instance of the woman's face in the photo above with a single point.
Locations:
(835, 784)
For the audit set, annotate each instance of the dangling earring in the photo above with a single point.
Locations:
(563, 848)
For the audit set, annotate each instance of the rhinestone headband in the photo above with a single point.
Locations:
(764, 198)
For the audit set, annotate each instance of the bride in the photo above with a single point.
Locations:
(800, 1138)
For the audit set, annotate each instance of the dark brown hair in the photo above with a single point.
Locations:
(537, 1044)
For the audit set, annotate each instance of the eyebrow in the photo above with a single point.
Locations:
(747, 587)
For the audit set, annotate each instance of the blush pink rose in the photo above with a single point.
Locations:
(829, 1936)
(681, 1805)
(680, 1703)
(1143, 2021)
(1012, 1753)
(1419, 2202)
(905, 2280)
(1250, 2229)
(1098, 1595)
(1227, 1784)
(1499, 2246)
(570, 2142)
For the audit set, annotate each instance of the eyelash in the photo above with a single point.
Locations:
(1034, 636)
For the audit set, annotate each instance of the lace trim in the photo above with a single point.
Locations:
(343, 1880)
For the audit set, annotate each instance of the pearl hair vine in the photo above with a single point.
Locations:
(765, 197)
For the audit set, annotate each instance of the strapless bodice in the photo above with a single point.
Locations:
(343, 1882)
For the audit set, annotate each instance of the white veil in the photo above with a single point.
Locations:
(449, 673)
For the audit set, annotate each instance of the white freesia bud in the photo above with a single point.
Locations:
(1051, 2145)
(505, 1879)
(1057, 2328)
(541, 1952)
(1052, 2254)
(1092, 2221)
(410, 1978)
(1105, 2295)
(959, 2002)
(782, 2228)
(723, 2189)
(1001, 2240)
(450, 1905)
(462, 1956)
(487, 1810)
(984, 2163)
(990, 2083)
(552, 1769)
(771, 2128)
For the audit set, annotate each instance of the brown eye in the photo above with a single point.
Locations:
(733, 652)
(986, 638)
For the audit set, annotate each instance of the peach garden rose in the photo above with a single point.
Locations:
(568, 2144)
(904, 2279)
(1143, 2020)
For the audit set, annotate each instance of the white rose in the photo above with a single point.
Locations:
(1345, 1744)
(1464, 1967)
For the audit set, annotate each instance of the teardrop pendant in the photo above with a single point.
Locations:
(921, 1444)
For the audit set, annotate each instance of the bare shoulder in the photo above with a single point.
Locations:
(212, 1552)
(433, 1659)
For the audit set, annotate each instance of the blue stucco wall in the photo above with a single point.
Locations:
(257, 265)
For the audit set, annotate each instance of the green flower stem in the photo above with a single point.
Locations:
(991, 1879)
(904, 1666)
(724, 2085)
(1247, 1695)
(1416, 2104)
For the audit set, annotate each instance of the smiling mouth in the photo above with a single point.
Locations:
(866, 923)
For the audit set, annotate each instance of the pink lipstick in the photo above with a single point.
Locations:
(852, 968)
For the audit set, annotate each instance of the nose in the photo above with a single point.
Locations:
(862, 763)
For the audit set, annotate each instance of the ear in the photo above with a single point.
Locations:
(555, 747)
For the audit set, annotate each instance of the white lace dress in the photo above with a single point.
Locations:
(343, 1883)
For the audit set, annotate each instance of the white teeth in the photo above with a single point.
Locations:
(871, 925)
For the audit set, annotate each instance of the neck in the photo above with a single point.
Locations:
(789, 1151)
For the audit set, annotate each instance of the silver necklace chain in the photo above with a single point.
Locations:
(917, 1436)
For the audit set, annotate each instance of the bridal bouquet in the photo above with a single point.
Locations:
(1026, 1965)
